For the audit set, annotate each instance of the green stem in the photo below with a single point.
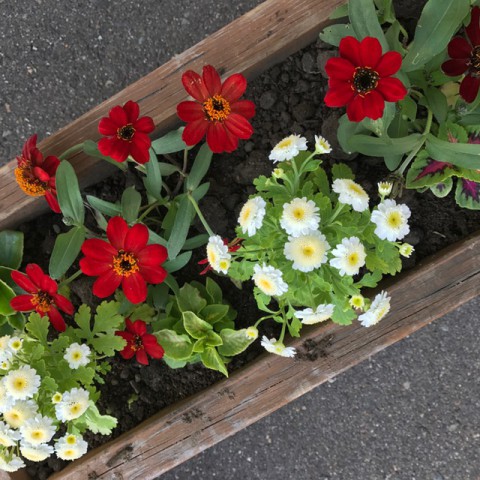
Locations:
(200, 216)
(284, 328)
(70, 279)
(69, 152)
(336, 212)
(403, 32)
(297, 177)
(148, 210)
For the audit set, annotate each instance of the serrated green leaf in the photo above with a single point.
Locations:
(68, 193)
(65, 251)
(98, 423)
(82, 319)
(37, 326)
(195, 326)
(340, 170)
(108, 344)
(107, 318)
(234, 342)
(131, 201)
(211, 359)
(467, 194)
(177, 346)
(11, 249)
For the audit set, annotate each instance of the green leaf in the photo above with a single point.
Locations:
(180, 228)
(37, 326)
(464, 155)
(170, 143)
(214, 290)
(234, 342)
(82, 319)
(346, 129)
(364, 20)
(108, 344)
(340, 12)
(65, 251)
(378, 147)
(435, 28)
(442, 189)
(98, 423)
(174, 363)
(11, 249)
(211, 359)
(107, 208)
(199, 168)
(189, 299)
(467, 194)
(213, 339)
(369, 280)
(201, 191)
(68, 193)
(107, 317)
(199, 345)
(156, 238)
(214, 313)
(426, 172)
(16, 321)
(174, 265)
(334, 33)
(177, 346)
(340, 170)
(131, 201)
(437, 102)
(6, 294)
(195, 326)
(196, 241)
(153, 178)
(167, 169)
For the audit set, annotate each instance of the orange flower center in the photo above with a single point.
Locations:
(125, 263)
(126, 132)
(42, 301)
(30, 184)
(475, 62)
(365, 80)
(136, 343)
(216, 108)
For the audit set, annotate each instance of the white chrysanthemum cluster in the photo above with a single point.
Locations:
(308, 251)
(277, 347)
(217, 254)
(378, 309)
(71, 447)
(299, 217)
(308, 316)
(351, 193)
(77, 355)
(391, 220)
(288, 148)
(349, 256)
(73, 404)
(251, 215)
(269, 280)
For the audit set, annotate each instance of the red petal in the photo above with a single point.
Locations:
(212, 81)
(374, 105)
(142, 357)
(98, 250)
(190, 111)
(469, 88)
(473, 28)
(350, 49)
(29, 145)
(339, 68)
(152, 346)
(139, 153)
(48, 285)
(145, 125)
(128, 352)
(132, 110)
(22, 303)
(455, 67)
(152, 255)
(370, 52)
(389, 64)
(117, 230)
(239, 126)
(339, 95)
(52, 202)
(459, 48)
(138, 327)
(392, 89)
(114, 147)
(24, 282)
(134, 288)
(41, 174)
(106, 284)
(246, 108)
(107, 126)
(195, 131)
(127, 336)
(232, 141)
(50, 165)
(194, 86)
(94, 268)
(118, 116)
(152, 274)
(56, 319)
(217, 137)
(234, 87)
(63, 303)
(136, 238)
(35, 273)
(356, 109)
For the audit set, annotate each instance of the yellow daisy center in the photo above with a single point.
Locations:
(265, 284)
(216, 108)
(285, 143)
(19, 384)
(353, 258)
(356, 188)
(71, 440)
(37, 434)
(394, 220)
(246, 214)
(299, 213)
(308, 251)
(75, 409)
(77, 355)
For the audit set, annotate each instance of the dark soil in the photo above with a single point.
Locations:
(289, 99)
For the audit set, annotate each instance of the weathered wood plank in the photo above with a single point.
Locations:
(431, 290)
(250, 44)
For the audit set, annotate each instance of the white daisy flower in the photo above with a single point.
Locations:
(406, 250)
(251, 332)
(77, 355)
(288, 148)
(391, 220)
(6, 401)
(73, 404)
(4, 342)
(272, 346)
(5, 363)
(349, 256)
(357, 301)
(384, 188)
(71, 447)
(307, 251)
(378, 309)
(19, 412)
(269, 280)
(36, 453)
(351, 193)
(251, 215)
(217, 254)
(38, 429)
(11, 463)
(299, 217)
(8, 437)
(309, 316)
(22, 383)
(15, 344)
(322, 145)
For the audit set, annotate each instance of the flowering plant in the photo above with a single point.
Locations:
(412, 101)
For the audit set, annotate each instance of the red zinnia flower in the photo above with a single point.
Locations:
(361, 78)
(139, 342)
(125, 259)
(126, 134)
(217, 111)
(42, 296)
(36, 175)
(465, 58)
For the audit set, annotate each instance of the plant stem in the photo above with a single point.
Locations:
(67, 153)
(336, 212)
(284, 327)
(200, 216)
(148, 210)
(70, 279)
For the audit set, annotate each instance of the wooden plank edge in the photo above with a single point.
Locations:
(434, 288)
(276, 28)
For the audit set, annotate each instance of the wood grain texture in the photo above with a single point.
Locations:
(176, 434)
(249, 45)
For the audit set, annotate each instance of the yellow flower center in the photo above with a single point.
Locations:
(394, 220)
(224, 264)
(75, 409)
(126, 132)
(37, 434)
(77, 355)
(125, 263)
(69, 453)
(20, 384)
(356, 188)
(29, 183)
(299, 213)
(16, 344)
(353, 258)
(246, 214)
(57, 398)
(285, 143)
(71, 440)
(265, 284)
(216, 108)
(42, 301)
(308, 251)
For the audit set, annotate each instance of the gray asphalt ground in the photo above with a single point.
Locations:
(411, 412)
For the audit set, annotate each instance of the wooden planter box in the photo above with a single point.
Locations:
(251, 44)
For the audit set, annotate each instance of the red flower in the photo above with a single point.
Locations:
(232, 247)
(36, 175)
(125, 259)
(125, 134)
(42, 296)
(217, 111)
(139, 342)
(465, 58)
(361, 78)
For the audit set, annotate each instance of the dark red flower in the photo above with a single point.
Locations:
(126, 134)
(361, 78)
(232, 247)
(139, 342)
(36, 175)
(217, 111)
(125, 259)
(42, 296)
(465, 58)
